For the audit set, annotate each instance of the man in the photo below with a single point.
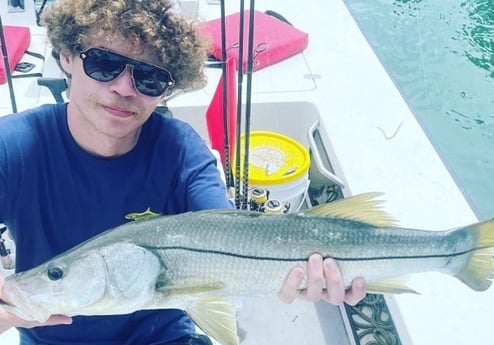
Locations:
(69, 171)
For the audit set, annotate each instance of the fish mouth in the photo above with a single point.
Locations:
(4, 297)
(5, 302)
(15, 302)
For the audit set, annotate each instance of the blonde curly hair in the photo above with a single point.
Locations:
(153, 25)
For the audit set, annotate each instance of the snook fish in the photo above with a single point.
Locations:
(196, 261)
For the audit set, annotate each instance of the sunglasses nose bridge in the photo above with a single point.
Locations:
(122, 76)
(128, 67)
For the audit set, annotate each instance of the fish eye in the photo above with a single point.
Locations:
(55, 273)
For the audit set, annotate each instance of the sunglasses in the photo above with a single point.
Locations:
(104, 65)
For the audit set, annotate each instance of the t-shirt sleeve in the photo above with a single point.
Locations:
(200, 177)
(12, 157)
(205, 188)
(3, 181)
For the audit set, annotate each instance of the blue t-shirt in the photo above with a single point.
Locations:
(54, 195)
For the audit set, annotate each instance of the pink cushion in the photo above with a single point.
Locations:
(274, 39)
(17, 40)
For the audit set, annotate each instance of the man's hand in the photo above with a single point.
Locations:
(9, 320)
(324, 282)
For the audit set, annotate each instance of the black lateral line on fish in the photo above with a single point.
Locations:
(342, 258)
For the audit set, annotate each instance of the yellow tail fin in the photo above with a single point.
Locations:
(479, 270)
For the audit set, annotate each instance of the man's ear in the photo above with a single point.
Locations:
(66, 61)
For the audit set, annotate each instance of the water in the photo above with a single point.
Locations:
(440, 54)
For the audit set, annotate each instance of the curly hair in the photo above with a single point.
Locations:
(153, 25)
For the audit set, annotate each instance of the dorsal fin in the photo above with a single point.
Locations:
(361, 207)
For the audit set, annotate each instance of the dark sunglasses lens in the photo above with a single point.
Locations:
(103, 66)
(150, 81)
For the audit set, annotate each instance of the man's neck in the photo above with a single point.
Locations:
(96, 141)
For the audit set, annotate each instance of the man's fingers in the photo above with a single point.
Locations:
(53, 320)
(290, 289)
(315, 278)
(334, 282)
(324, 281)
(357, 292)
(58, 320)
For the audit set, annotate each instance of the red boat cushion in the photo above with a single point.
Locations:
(17, 40)
(274, 39)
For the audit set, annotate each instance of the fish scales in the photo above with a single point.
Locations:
(227, 246)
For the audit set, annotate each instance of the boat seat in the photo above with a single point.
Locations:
(17, 41)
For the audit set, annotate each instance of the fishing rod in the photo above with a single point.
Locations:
(248, 102)
(226, 125)
(8, 72)
(5, 253)
(238, 199)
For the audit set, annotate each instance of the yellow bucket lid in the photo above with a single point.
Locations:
(274, 158)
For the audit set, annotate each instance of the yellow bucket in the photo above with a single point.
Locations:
(279, 164)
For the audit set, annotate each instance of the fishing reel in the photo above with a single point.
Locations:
(259, 201)
(5, 253)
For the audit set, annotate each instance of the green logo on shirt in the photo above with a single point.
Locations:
(142, 215)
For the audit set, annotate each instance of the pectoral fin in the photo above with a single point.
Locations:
(216, 317)
(189, 288)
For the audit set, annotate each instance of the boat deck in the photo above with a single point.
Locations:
(374, 143)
